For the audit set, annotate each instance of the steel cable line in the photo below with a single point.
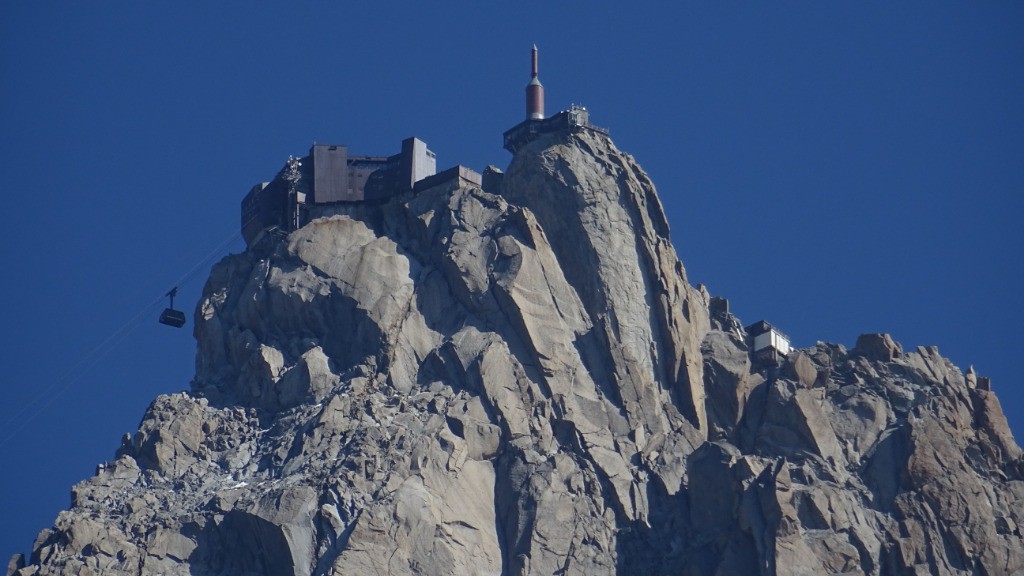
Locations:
(84, 364)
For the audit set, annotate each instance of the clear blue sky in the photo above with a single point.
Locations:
(833, 169)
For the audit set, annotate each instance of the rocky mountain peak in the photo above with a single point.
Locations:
(517, 378)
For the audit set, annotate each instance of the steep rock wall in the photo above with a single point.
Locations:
(522, 381)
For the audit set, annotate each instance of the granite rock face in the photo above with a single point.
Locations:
(522, 381)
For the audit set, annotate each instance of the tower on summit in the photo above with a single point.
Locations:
(534, 94)
(574, 119)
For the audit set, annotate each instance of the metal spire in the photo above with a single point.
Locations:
(534, 93)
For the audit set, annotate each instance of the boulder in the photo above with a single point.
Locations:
(877, 347)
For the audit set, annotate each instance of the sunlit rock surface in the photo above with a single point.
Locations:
(522, 381)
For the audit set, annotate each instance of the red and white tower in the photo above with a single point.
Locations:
(534, 94)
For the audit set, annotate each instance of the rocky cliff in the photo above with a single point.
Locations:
(521, 380)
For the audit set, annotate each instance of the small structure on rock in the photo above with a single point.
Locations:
(767, 342)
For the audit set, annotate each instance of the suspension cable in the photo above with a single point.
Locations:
(85, 363)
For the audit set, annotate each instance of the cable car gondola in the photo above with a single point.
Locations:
(170, 316)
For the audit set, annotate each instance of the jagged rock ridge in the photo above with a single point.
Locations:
(522, 381)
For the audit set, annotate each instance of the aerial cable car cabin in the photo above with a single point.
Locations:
(170, 316)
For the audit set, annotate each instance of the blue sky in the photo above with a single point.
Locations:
(832, 169)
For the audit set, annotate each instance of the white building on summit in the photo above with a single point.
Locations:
(767, 342)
